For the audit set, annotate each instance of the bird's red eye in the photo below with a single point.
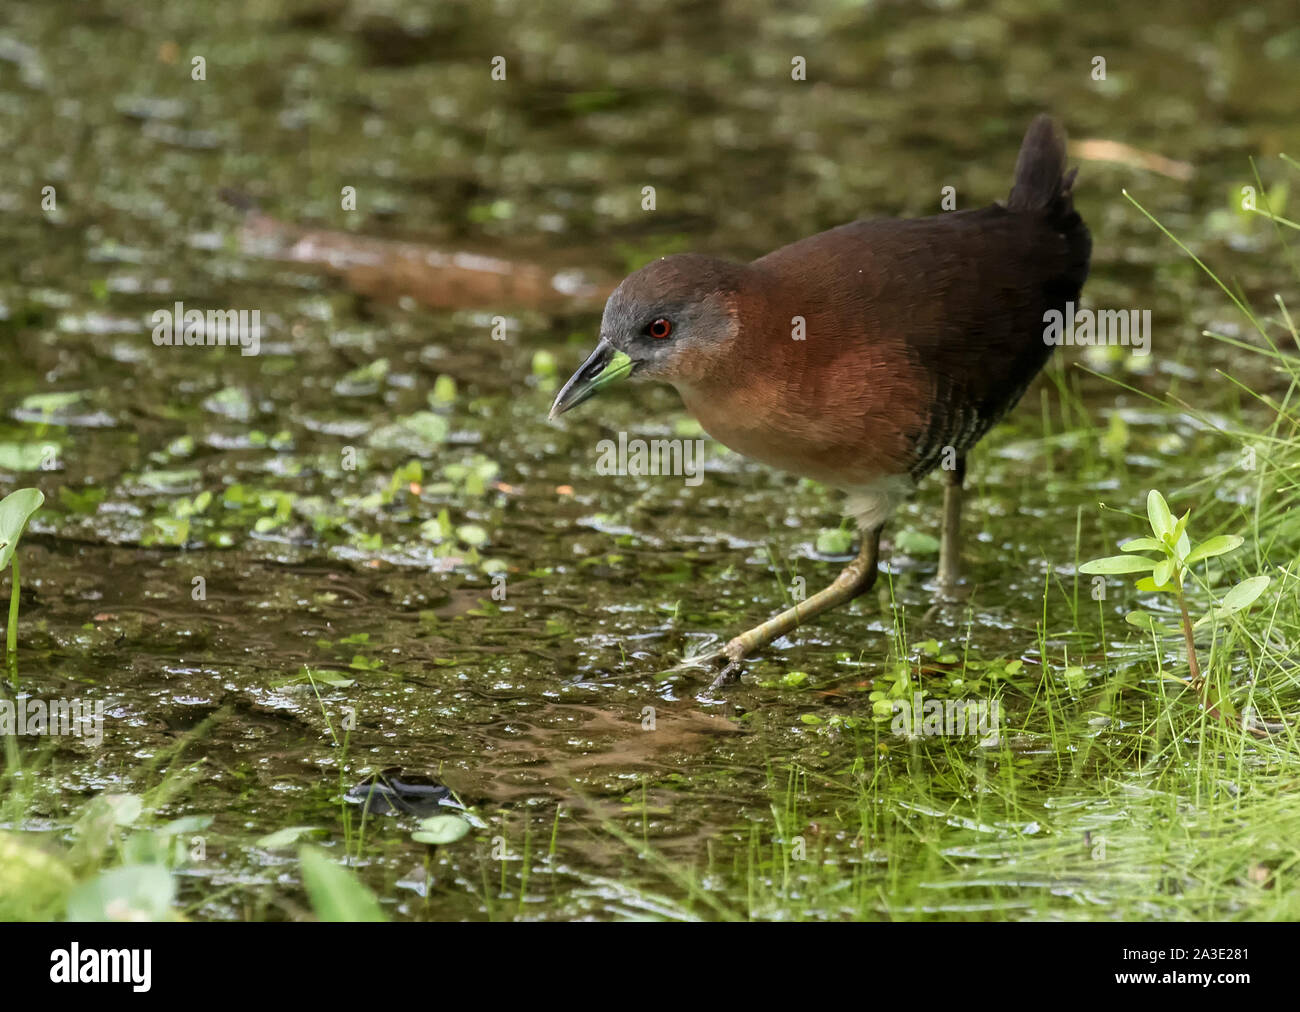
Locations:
(661, 328)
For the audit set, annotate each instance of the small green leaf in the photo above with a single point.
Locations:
(834, 541)
(185, 824)
(1118, 564)
(1144, 621)
(286, 837)
(47, 404)
(169, 481)
(544, 363)
(440, 829)
(413, 434)
(1220, 545)
(472, 534)
(1148, 586)
(15, 510)
(1142, 545)
(34, 884)
(444, 390)
(135, 892)
(1162, 523)
(126, 808)
(363, 378)
(916, 543)
(1163, 572)
(336, 893)
(1243, 595)
(24, 456)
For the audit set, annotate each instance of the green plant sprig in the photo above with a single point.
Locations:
(1168, 574)
(15, 510)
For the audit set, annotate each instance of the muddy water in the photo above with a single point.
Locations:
(317, 546)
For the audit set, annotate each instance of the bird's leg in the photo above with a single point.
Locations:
(856, 578)
(950, 539)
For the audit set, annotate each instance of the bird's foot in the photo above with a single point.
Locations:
(731, 657)
(726, 660)
(947, 593)
(707, 659)
(951, 592)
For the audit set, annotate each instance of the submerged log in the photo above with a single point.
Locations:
(439, 278)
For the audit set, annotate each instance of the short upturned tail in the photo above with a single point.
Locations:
(1041, 185)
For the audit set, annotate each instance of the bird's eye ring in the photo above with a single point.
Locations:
(660, 328)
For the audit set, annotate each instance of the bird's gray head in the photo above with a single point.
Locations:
(676, 320)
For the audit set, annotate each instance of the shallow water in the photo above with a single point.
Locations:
(315, 551)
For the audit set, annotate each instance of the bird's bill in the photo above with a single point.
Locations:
(604, 366)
